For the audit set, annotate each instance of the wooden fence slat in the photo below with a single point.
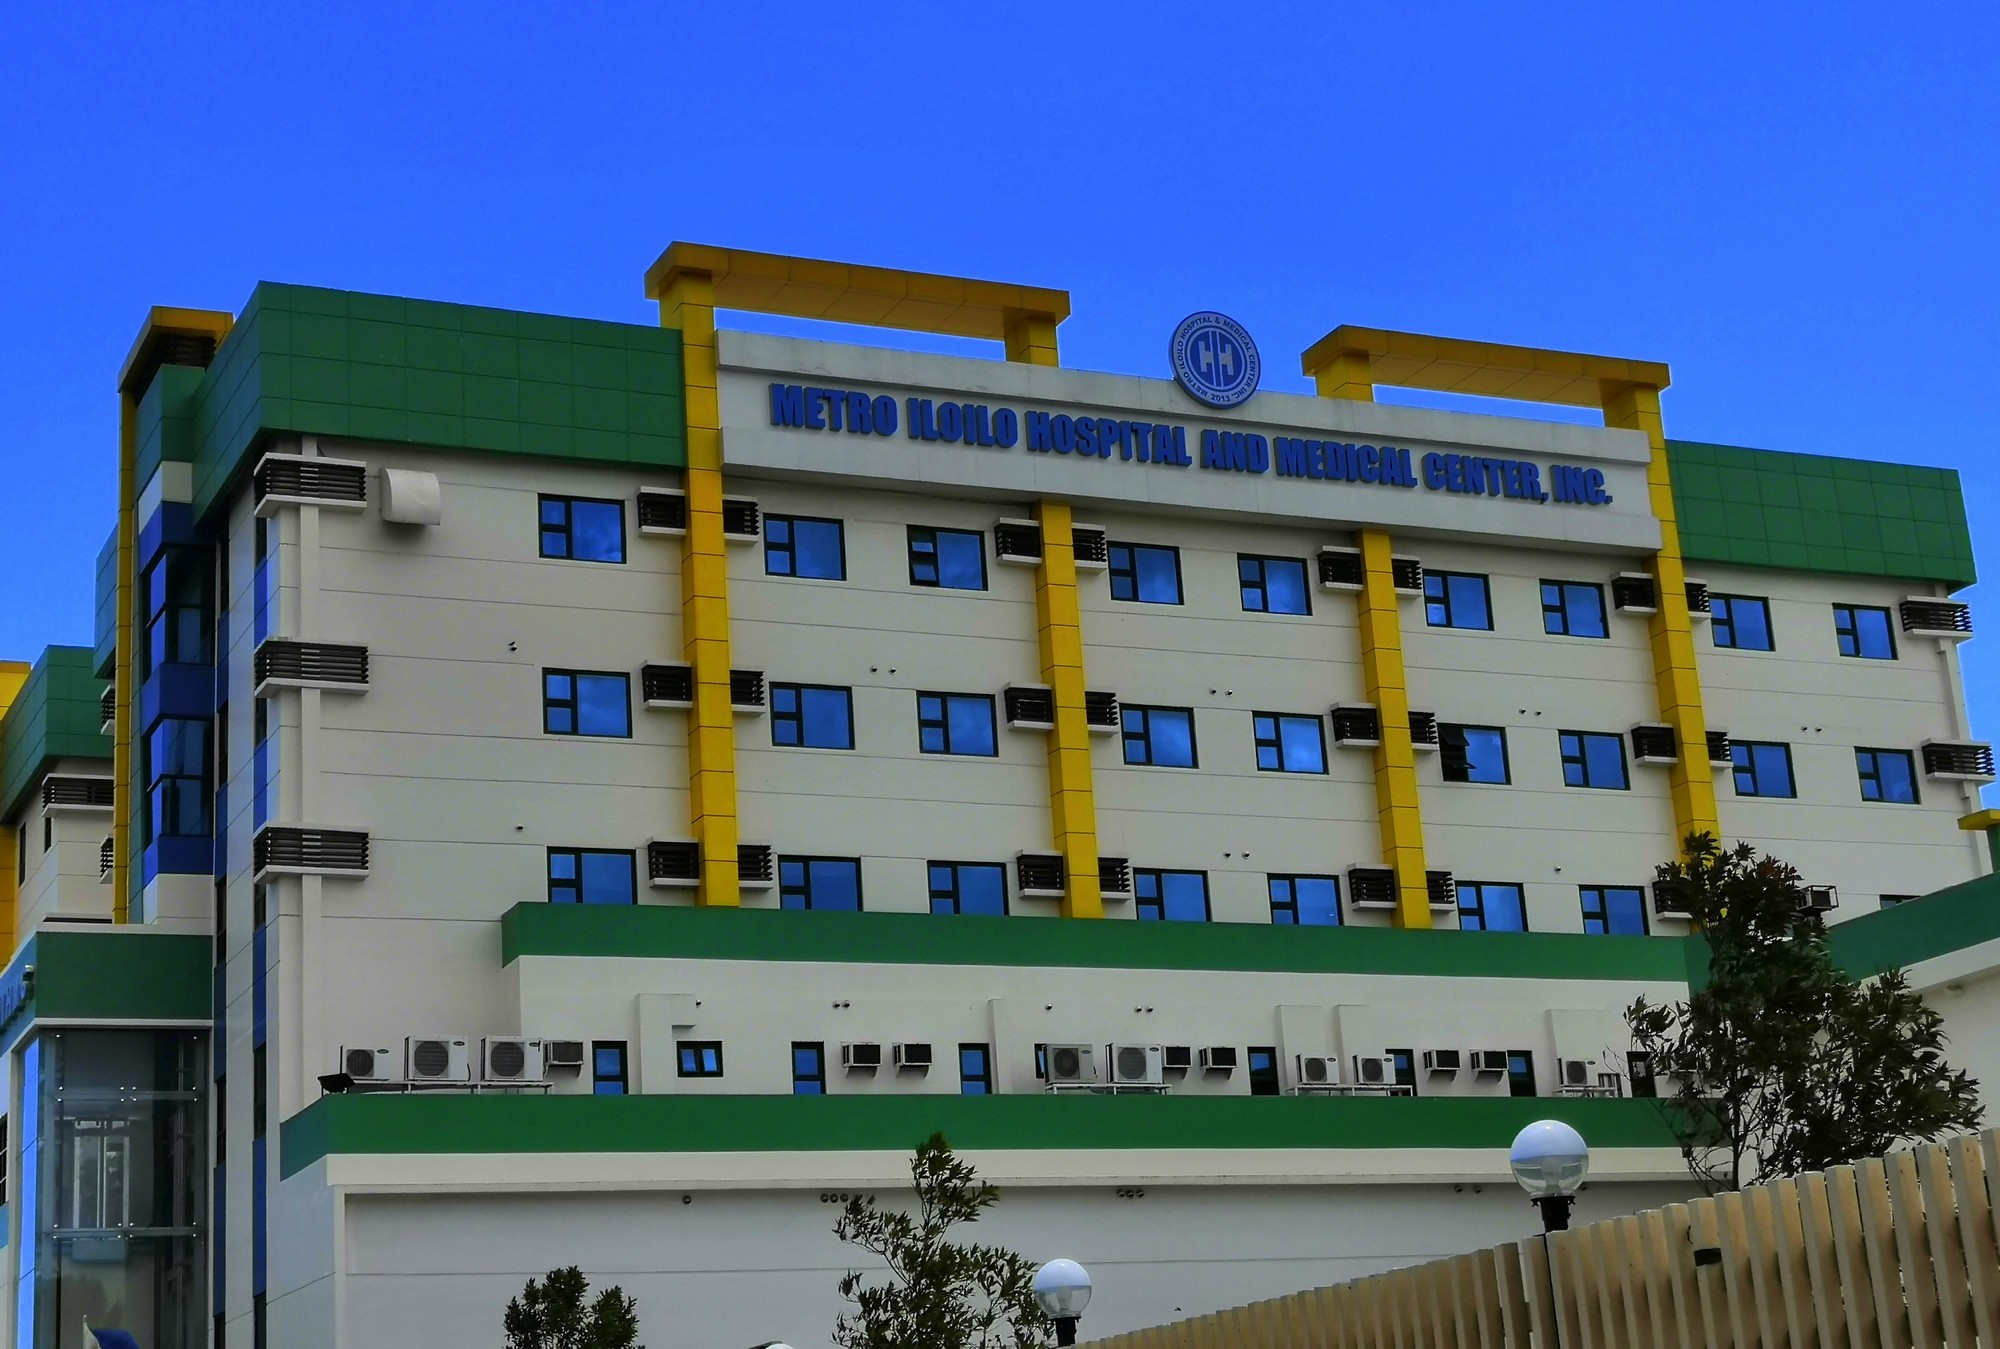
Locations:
(1822, 1273)
(1634, 1289)
(1599, 1246)
(1850, 1254)
(1885, 1272)
(1538, 1292)
(1711, 1290)
(1456, 1274)
(1436, 1282)
(1672, 1254)
(1576, 1319)
(1738, 1266)
(1914, 1251)
(1335, 1306)
(1511, 1274)
(1487, 1330)
(1794, 1286)
(1947, 1247)
(1760, 1228)
(1976, 1236)
(1410, 1318)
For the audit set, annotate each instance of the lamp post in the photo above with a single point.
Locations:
(1550, 1160)
(1062, 1291)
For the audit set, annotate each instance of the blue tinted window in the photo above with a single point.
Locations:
(1145, 573)
(1289, 744)
(580, 702)
(592, 876)
(1739, 622)
(819, 883)
(699, 1058)
(1887, 775)
(968, 887)
(584, 529)
(1762, 769)
(1305, 901)
(1160, 736)
(1456, 600)
(956, 723)
(1274, 585)
(808, 1069)
(975, 1070)
(607, 1068)
(1573, 609)
(1472, 753)
(1864, 632)
(1175, 896)
(812, 716)
(953, 559)
(1484, 906)
(1614, 910)
(796, 545)
(178, 796)
(1593, 759)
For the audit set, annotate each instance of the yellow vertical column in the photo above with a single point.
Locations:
(1397, 805)
(1059, 615)
(1635, 407)
(13, 674)
(689, 305)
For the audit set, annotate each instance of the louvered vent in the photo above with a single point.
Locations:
(1634, 593)
(1340, 568)
(756, 868)
(1674, 897)
(70, 793)
(1718, 748)
(662, 511)
(746, 690)
(1655, 744)
(1371, 887)
(1962, 760)
(1443, 888)
(1936, 618)
(1697, 593)
(1039, 875)
(1100, 711)
(283, 663)
(673, 862)
(293, 850)
(1423, 731)
(666, 685)
(1357, 725)
(1406, 574)
(301, 480)
(1030, 707)
(1114, 875)
(742, 522)
(1018, 541)
(1093, 551)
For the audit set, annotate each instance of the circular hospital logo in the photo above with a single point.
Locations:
(1214, 359)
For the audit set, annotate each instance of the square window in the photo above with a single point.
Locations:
(950, 559)
(819, 883)
(1289, 744)
(799, 545)
(956, 723)
(812, 716)
(968, 887)
(1456, 599)
(1762, 769)
(975, 1070)
(1864, 632)
(1573, 609)
(1887, 775)
(1145, 573)
(586, 702)
(1171, 896)
(1488, 906)
(607, 1068)
(1305, 901)
(808, 1069)
(1614, 910)
(592, 876)
(699, 1058)
(1160, 736)
(1740, 622)
(1473, 753)
(1593, 759)
(583, 529)
(1274, 585)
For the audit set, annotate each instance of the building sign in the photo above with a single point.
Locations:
(1119, 440)
(1214, 359)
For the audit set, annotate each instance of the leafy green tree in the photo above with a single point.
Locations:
(940, 1295)
(552, 1314)
(1783, 1062)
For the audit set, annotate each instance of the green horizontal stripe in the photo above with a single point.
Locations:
(1921, 929)
(55, 716)
(662, 931)
(453, 1124)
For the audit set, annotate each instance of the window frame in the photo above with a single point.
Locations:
(1444, 599)
(1722, 618)
(953, 894)
(1560, 610)
(576, 882)
(789, 546)
(942, 724)
(805, 887)
(1852, 634)
(621, 1079)
(1525, 1078)
(983, 1078)
(1262, 584)
(1478, 907)
(1128, 572)
(567, 528)
(574, 702)
(1290, 904)
(698, 1058)
(1267, 1078)
(1158, 901)
(816, 1079)
(1582, 760)
(796, 719)
(1603, 914)
(1865, 776)
(1144, 738)
(938, 533)
(1748, 764)
(1276, 742)
(1446, 728)
(167, 792)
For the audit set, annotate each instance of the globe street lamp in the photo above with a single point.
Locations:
(1062, 1290)
(1550, 1160)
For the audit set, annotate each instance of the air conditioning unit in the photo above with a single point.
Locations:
(1177, 1058)
(1578, 1073)
(1374, 1070)
(368, 1065)
(1489, 1062)
(913, 1058)
(1316, 1071)
(1018, 542)
(1070, 1064)
(1822, 899)
(562, 1054)
(1443, 1062)
(437, 1059)
(1135, 1065)
(1633, 592)
(1218, 1059)
(861, 1057)
(510, 1058)
(1341, 569)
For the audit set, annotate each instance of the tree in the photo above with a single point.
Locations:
(1784, 1062)
(940, 1295)
(551, 1315)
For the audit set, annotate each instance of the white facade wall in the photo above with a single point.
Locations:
(57, 857)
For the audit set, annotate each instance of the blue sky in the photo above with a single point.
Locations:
(1796, 206)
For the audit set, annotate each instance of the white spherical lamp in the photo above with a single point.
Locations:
(1062, 1291)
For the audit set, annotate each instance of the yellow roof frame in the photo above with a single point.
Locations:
(162, 322)
(1486, 369)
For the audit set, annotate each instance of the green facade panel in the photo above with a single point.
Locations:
(1920, 929)
(126, 974)
(165, 423)
(370, 367)
(55, 717)
(104, 655)
(458, 1124)
(1809, 512)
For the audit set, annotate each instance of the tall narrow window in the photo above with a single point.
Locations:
(1263, 1064)
(264, 760)
(264, 603)
(607, 1068)
(1520, 1072)
(808, 1068)
(975, 1070)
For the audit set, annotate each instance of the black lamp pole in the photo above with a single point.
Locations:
(1065, 1330)
(1555, 1211)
